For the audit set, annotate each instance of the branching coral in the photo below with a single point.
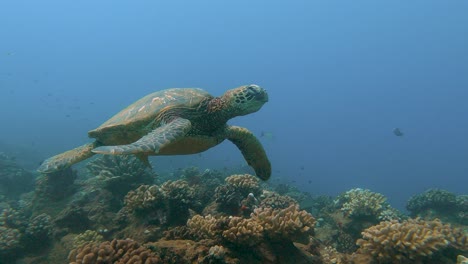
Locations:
(435, 199)
(244, 183)
(178, 191)
(115, 251)
(237, 187)
(409, 241)
(285, 224)
(361, 202)
(276, 201)
(203, 227)
(119, 174)
(145, 197)
(288, 224)
(10, 240)
(40, 228)
(89, 236)
(243, 231)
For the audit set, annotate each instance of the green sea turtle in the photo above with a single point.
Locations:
(175, 121)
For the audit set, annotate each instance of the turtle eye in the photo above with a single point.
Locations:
(252, 90)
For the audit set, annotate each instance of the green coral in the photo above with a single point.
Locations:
(362, 202)
(10, 240)
(432, 199)
(40, 228)
(145, 197)
(119, 174)
(89, 236)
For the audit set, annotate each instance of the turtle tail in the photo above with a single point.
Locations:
(68, 158)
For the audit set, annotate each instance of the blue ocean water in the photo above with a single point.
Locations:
(341, 75)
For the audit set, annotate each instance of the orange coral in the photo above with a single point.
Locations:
(411, 240)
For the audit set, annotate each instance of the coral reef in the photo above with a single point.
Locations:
(89, 236)
(237, 188)
(144, 198)
(243, 231)
(40, 229)
(362, 202)
(410, 241)
(462, 259)
(201, 216)
(10, 241)
(288, 224)
(276, 201)
(115, 251)
(172, 201)
(14, 180)
(441, 204)
(119, 174)
(205, 227)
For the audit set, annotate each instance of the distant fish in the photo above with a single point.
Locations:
(11, 53)
(397, 132)
(267, 135)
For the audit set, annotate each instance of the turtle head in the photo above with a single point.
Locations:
(245, 99)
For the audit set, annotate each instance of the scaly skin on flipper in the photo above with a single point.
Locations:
(153, 141)
(251, 149)
(68, 158)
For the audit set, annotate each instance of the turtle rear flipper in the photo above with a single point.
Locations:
(251, 149)
(153, 141)
(66, 159)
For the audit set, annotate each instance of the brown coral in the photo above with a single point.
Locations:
(243, 231)
(409, 241)
(144, 197)
(203, 227)
(276, 201)
(115, 251)
(178, 191)
(285, 224)
(245, 183)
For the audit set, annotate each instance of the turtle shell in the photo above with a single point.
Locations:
(132, 122)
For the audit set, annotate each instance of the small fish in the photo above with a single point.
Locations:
(397, 132)
(267, 135)
(302, 167)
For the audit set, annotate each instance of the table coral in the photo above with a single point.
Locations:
(409, 241)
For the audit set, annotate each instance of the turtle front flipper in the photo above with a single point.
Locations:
(153, 141)
(66, 159)
(251, 149)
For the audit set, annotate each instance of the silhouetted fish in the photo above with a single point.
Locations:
(397, 132)
(267, 135)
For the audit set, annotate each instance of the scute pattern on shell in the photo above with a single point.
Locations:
(151, 105)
